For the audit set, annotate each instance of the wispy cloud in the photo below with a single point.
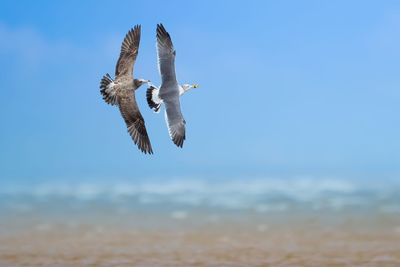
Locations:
(30, 50)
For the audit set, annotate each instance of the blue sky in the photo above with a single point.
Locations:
(288, 88)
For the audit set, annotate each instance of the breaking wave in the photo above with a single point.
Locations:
(261, 195)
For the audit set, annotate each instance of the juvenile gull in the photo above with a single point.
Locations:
(169, 91)
(121, 91)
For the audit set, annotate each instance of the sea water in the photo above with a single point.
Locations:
(199, 222)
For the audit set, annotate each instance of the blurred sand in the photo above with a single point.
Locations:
(200, 238)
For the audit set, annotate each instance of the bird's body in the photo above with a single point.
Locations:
(121, 91)
(169, 91)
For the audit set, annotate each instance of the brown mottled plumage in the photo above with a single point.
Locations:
(121, 91)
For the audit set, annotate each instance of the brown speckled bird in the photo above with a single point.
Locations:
(121, 91)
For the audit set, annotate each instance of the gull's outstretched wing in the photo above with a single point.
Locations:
(175, 121)
(129, 51)
(134, 122)
(169, 90)
(166, 57)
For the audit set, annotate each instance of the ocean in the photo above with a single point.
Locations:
(199, 222)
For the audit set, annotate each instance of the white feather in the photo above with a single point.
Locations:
(154, 96)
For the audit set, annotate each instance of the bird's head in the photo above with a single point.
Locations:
(140, 82)
(187, 87)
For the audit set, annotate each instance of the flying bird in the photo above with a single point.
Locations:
(169, 91)
(121, 91)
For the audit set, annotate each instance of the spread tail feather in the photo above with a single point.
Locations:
(153, 99)
(107, 90)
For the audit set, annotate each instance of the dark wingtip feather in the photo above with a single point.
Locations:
(105, 81)
(179, 140)
(132, 37)
(149, 96)
(140, 138)
(162, 32)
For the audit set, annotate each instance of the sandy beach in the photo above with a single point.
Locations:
(97, 234)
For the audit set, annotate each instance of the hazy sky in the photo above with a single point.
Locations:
(287, 88)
